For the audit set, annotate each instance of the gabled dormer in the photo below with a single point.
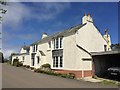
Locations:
(25, 49)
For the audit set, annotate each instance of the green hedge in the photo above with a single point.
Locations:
(70, 75)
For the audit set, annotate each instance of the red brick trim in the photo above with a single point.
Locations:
(78, 74)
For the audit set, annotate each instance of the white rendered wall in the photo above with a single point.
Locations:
(90, 39)
(23, 51)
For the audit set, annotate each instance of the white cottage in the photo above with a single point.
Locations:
(69, 51)
(23, 56)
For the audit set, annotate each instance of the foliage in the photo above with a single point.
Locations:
(17, 63)
(115, 46)
(69, 75)
(2, 11)
(32, 68)
(27, 66)
(24, 65)
(47, 65)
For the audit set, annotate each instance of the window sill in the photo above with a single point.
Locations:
(57, 67)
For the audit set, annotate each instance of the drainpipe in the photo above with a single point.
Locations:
(82, 70)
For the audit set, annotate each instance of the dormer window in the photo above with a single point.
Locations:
(33, 48)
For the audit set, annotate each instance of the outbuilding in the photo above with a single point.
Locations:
(104, 60)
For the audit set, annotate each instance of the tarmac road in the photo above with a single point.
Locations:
(18, 77)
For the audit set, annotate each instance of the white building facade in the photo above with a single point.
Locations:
(69, 51)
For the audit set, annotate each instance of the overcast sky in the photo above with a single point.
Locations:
(25, 22)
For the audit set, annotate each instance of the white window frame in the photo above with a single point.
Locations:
(59, 43)
(54, 62)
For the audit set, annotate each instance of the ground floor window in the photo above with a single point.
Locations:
(38, 59)
(58, 61)
(33, 59)
(23, 58)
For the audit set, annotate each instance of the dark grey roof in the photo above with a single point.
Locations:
(62, 33)
(105, 53)
(26, 48)
(19, 54)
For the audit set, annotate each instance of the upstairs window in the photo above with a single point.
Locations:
(33, 48)
(58, 43)
(61, 42)
(36, 47)
(49, 43)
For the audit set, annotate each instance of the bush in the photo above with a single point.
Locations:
(15, 62)
(24, 65)
(20, 64)
(47, 65)
(27, 66)
(70, 75)
(32, 68)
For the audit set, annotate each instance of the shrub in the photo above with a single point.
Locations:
(24, 65)
(32, 68)
(20, 64)
(15, 62)
(70, 75)
(47, 65)
(27, 66)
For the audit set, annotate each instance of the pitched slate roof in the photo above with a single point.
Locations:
(26, 48)
(62, 33)
(19, 54)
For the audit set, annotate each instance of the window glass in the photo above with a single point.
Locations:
(61, 61)
(57, 61)
(38, 59)
(57, 43)
(49, 44)
(53, 61)
(61, 42)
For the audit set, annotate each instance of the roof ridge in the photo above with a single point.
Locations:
(60, 32)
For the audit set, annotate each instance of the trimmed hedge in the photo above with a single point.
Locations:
(70, 75)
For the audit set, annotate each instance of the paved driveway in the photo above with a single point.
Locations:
(16, 77)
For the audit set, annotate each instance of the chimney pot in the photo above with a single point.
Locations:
(44, 35)
(88, 14)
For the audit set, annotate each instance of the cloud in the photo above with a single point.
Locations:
(18, 13)
(8, 49)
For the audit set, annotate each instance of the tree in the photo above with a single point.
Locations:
(115, 46)
(2, 10)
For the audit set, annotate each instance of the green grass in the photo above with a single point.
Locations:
(110, 82)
